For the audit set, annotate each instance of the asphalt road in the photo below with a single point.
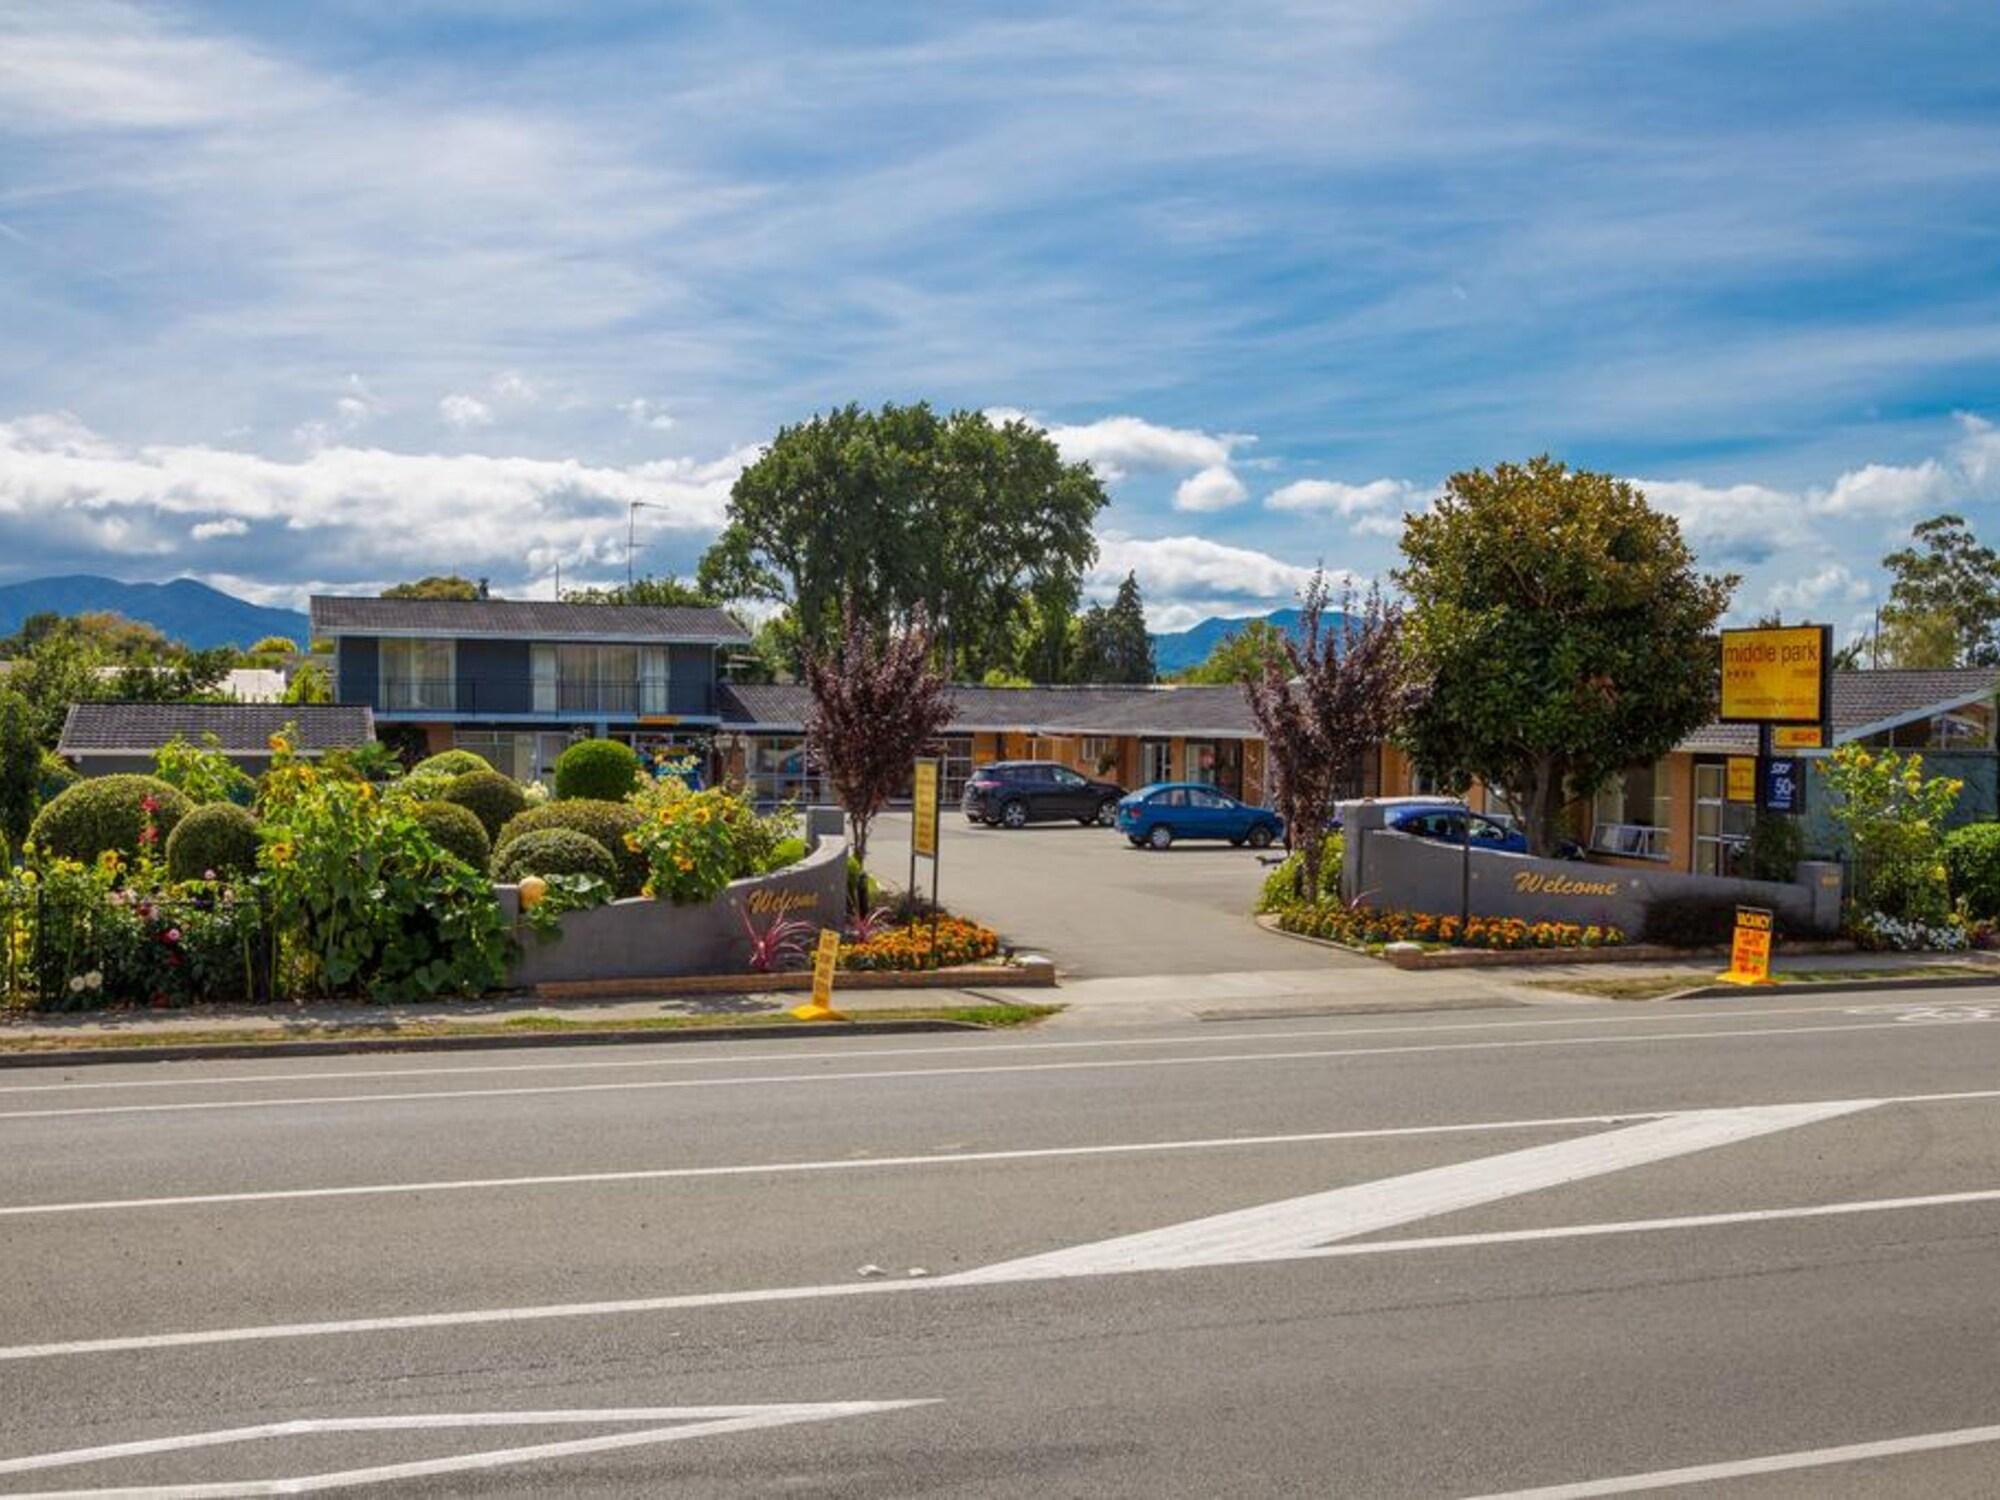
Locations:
(1433, 1255)
(1098, 906)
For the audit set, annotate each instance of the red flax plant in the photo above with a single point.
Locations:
(877, 704)
(1330, 696)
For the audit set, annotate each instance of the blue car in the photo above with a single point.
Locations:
(1445, 822)
(1154, 816)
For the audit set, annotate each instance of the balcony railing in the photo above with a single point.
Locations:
(632, 699)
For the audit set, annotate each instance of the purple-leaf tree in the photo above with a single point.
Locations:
(877, 704)
(1323, 703)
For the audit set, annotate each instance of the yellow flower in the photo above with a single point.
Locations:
(281, 854)
(701, 815)
(632, 842)
(277, 744)
(683, 863)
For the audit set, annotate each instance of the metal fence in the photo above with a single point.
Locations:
(61, 951)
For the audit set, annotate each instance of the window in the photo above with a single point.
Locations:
(779, 769)
(597, 679)
(1173, 796)
(419, 675)
(1100, 754)
(1632, 814)
(1064, 776)
(1202, 797)
(1966, 728)
(1156, 761)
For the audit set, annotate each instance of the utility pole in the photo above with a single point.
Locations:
(631, 531)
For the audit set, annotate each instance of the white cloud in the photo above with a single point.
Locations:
(1213, 488)
(512, 385)
(1334, 497)
(351, 512)
(644, 413)
(1189, 577)
(1117, 446)
(464, 412)
(1813, 593)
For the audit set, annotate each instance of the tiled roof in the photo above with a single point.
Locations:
(243, 728)
(541, 619)
(1865, 702)
(1220, 711)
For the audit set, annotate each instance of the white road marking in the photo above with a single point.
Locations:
(1297, 1224)
(1776, 1463)
(841, 1164)
(889, 1074)
(687, 1422)
(696, 1301)
(712, 1055)
(1261, 1250)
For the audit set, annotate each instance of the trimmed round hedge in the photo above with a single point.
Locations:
(488, 796)
(214, 841)
(554, 851)
(603, 770)
(607, 822)
(451, 763)
(455, 830)
(106, 812)
(1972, 865)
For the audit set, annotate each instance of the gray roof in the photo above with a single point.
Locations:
(539, 619)
(1866, 703)
(1222, 712)
(243, 728)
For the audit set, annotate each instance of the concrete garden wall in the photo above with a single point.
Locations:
(1406, 873)
(645, 939)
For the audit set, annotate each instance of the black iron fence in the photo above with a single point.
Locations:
(81, 951)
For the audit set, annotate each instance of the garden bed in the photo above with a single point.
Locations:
(1444, 957)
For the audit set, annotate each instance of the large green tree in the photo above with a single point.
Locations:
(1114, 644)
(1558, 631)
(663, 590)
(436, 586)
(902, 509)
(1944, 586)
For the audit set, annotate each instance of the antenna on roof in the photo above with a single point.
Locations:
(482, 588)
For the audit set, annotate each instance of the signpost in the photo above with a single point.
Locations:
(826, 958)
(1750, 950)
(1779, 678)
(925, 778)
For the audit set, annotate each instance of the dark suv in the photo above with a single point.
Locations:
(1014, 793)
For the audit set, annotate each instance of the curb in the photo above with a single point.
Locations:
(1837, 987)
(507, 1041)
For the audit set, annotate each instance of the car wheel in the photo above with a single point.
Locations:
(1237, 842)
(1162, 837)
(1107, 813)
(1135, 841)
(1260, 836)
(1014, 814)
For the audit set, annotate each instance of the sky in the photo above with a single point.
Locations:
(299, 298)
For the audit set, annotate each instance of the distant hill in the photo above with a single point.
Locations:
(1177, 650)
(182, 610)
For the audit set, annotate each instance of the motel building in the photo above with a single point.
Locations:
(1674, 814)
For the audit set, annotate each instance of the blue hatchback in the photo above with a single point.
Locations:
(1154, 816)
(1446, 822)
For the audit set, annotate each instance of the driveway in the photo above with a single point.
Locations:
(1096, 905)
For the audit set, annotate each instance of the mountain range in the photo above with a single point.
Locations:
(1177, 650)
(183, 610)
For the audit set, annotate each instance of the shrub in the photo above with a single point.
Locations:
(57, 776)
(131, 814)
(451, 763)
(1366, 927)
(554, 851)
(1776, 846)
(214, 841)
(691, 845)
(603, 770)
(1285, 886)
(488, 796)
(455, 830)
(1699, 922)
(202, 772)
(1972, 866)
(1893, 815)
(784, 854)
(607, 822)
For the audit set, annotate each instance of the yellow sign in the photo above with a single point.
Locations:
(826, 957)
(1750, 952)
(1775, 676)
(924, 810)
(1798, 737)
(1742, 777)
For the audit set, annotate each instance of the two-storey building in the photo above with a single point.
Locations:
(517, 679)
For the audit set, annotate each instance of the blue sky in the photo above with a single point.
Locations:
(329, 295)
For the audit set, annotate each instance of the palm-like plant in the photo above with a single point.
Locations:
(779, 944)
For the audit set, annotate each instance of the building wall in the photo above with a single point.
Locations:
(691, 680)
(494, 677)
(357, 669)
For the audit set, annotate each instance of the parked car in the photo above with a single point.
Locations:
(1445, 822)
(1154, 816)
(1015, 793)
